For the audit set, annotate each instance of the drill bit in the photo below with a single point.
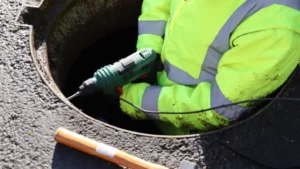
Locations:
(74, 96)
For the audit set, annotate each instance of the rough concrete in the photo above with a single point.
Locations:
(31, 113)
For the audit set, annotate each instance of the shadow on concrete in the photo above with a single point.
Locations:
(68, 158)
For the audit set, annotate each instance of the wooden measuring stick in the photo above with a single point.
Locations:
(101, 150)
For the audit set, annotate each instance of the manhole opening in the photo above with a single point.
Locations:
(99, 106)
(85, 37)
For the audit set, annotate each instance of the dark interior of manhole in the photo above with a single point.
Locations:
(99, 106)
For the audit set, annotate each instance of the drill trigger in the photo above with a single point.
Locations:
(119, 89)
(144, 76)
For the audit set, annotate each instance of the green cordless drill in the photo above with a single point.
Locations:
(113, 76)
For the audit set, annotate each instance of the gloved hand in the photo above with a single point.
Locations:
(133, 92)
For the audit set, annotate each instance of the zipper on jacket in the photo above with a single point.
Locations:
(176, 13)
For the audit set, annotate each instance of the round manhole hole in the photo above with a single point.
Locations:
(81, 37)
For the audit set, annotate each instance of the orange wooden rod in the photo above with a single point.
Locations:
(103, 151)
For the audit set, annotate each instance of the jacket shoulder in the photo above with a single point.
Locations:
(272, 17)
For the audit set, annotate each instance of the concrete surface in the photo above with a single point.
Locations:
(30, 113)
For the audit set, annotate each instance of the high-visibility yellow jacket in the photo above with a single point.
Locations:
(214, 53)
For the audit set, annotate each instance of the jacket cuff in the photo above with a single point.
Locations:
(150, 101)
(133, 93)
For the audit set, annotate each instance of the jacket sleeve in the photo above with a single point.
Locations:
(152, 23)
(256, 65)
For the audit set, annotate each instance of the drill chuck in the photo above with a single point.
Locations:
(87, 87)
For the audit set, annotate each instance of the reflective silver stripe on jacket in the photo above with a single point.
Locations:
(221, 43)
(150, 100)
(151, 27)
(218, 47)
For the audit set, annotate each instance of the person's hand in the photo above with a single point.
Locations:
(133, 93)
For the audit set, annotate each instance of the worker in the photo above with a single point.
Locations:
(213, 53)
